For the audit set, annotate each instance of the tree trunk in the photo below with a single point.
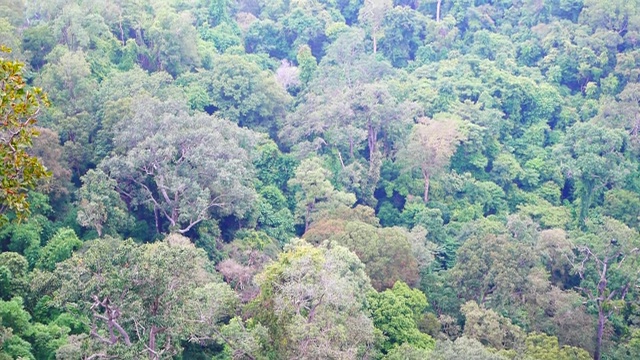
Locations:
(152, 343)
(426, 187)
(438, 10)
(599, 333)
(306, 218)
(372, 142)
(121, 29)
(375, 44)
(155, 214)
(153, 353)
(585, 202)
(351, 147)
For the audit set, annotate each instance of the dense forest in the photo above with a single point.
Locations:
(320, 179)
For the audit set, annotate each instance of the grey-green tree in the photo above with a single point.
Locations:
(183, 167)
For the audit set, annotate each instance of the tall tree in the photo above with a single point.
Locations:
(487, 326)
(244, 93)
(396, 312)
(182, 166)
(313, 302)
(143, 300)
(403, 35)
(595, 159)
(386, 252)
(47, 148)
(430, 146)
(316, 194)
(172, 42)
(606, 259)
(629, 107)
(100, 204)
(371, 15)
(349, 108)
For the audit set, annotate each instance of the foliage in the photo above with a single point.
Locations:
(482, 154)
(100, 204)
(210, 165)
(395, 312)
(141, 298)
(312, 300)
(386, 252)
(19, 107)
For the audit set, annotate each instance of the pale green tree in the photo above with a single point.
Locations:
(59, 248)
(386, 252)
(312, 300)
(14, 269)
(100, 204)
(463, 348)
(371, 15)
(544, 347)
(593, 157)
(487, 326)
(316, 194)
(244, 93)
(430, 147)
(172, 42)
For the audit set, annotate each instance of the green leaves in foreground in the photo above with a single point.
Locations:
(19, 106)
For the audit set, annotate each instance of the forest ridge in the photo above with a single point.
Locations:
(320, 179)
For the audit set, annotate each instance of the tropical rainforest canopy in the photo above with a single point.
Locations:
(320, 179)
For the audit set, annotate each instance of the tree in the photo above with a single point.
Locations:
(595, 159)
(371, 15)
(244, 93)
(172, 42)
(629, 107)
(59, 248)
(69, 80)
(403, 34)
(430, 146)
(14, 322)
(545, 347)
(182, 166)
(617, 16)
(492, 269)
(306, 63)
(316, 194)
(248, 254)
(395, 312)
(143, 300)
(463, 348)
(348, 109)
(606, 259)
(623, 205)
(487, 326)
(386, 252)
(19, 108)
(47, 148)
(100, 204)
(312, 299)
(14, 270)
(408, 352)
